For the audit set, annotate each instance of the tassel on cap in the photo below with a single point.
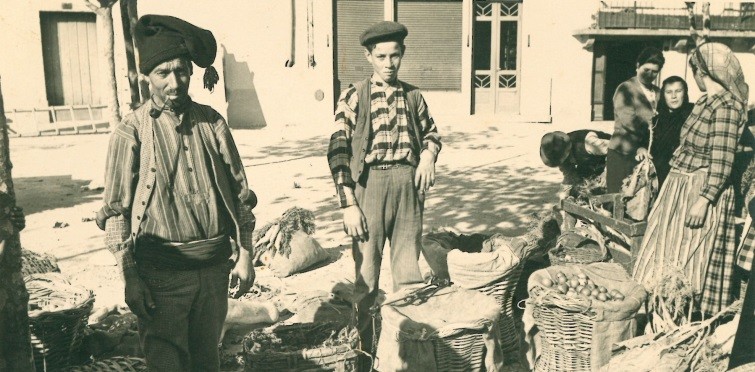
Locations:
(210, 78)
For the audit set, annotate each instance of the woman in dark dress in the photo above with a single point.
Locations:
(673, 109)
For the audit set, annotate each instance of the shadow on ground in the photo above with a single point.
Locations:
(38, 194)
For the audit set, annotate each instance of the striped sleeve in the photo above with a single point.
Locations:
(724, 134)
(339, 149)
(246, 200)
(430, 136)
(121, 175)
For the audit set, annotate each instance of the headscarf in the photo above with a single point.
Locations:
(720, 63)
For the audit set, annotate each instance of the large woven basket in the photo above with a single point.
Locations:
(114, 364)
(591, 247)
(503, 291)
(444, 329)
(57, 317)
(461, 352)
(566, 339)
(332, 356)
(576, 332)
(35, 263)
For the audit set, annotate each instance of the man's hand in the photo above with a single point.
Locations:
(424, 177)
(17, 218)
(243, 273)
(642, 154)
(697, 212)
(354, 223)
(138, 296)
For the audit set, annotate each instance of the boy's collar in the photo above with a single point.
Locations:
(377, 80)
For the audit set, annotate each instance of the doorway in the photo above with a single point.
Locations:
(614, 61)
(71, 58)
(496, 57)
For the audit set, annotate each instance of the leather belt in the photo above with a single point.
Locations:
(386, 166)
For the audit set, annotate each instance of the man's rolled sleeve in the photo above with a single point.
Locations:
(724, 134)
(247, 223)
(118, 241)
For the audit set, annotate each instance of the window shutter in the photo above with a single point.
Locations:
(353, 17)
(433, 56)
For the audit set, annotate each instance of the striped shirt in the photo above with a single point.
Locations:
(185, 204)
(391, 138)
(709, 139)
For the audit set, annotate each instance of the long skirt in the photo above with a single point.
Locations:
(706, 254)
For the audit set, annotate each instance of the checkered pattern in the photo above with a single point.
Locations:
(717, 289)
(709, 139)
(391, 138)
(747, 250)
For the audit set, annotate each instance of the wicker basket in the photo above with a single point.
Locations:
(581, 245)
(576, 333)
(566, 339)
(35, 263)
(503, 291)
(443, 329)
(114, 364)
(339, 357)
(57, 317)
(462, 352)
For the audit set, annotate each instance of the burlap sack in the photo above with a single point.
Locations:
(476, 270)
(408, 330)
(640, 190)
(305, 252)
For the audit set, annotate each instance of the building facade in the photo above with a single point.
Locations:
(284, 62)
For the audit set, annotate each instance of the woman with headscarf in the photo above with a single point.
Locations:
(691, 226)
(673, 109)
(634, 104)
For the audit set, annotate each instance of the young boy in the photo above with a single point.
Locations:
(382, 158)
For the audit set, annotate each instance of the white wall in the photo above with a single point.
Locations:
(253, 35)
(21, 64)
(554, 54)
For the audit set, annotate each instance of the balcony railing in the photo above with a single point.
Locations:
(643, 15)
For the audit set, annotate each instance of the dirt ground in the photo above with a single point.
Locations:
(489, 179)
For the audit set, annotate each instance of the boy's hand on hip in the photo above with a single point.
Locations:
(354, 223)
(424, 178)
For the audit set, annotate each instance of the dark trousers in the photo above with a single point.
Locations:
(393, 210)
(190, 309)
(743, 351)
(618, 167)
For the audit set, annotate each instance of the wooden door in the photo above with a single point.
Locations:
(71, 58)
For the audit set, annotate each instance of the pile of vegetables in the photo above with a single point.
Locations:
(295, 337)
(581, 286)
(276, 235)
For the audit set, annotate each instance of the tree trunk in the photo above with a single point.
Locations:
(128, 19)
(105, 21)
(15, 340)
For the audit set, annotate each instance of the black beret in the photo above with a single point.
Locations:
(383, 31)
(161, 38)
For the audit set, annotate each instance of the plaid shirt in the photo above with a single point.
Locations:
(709, 140)
(390, 140)
(178, 221)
